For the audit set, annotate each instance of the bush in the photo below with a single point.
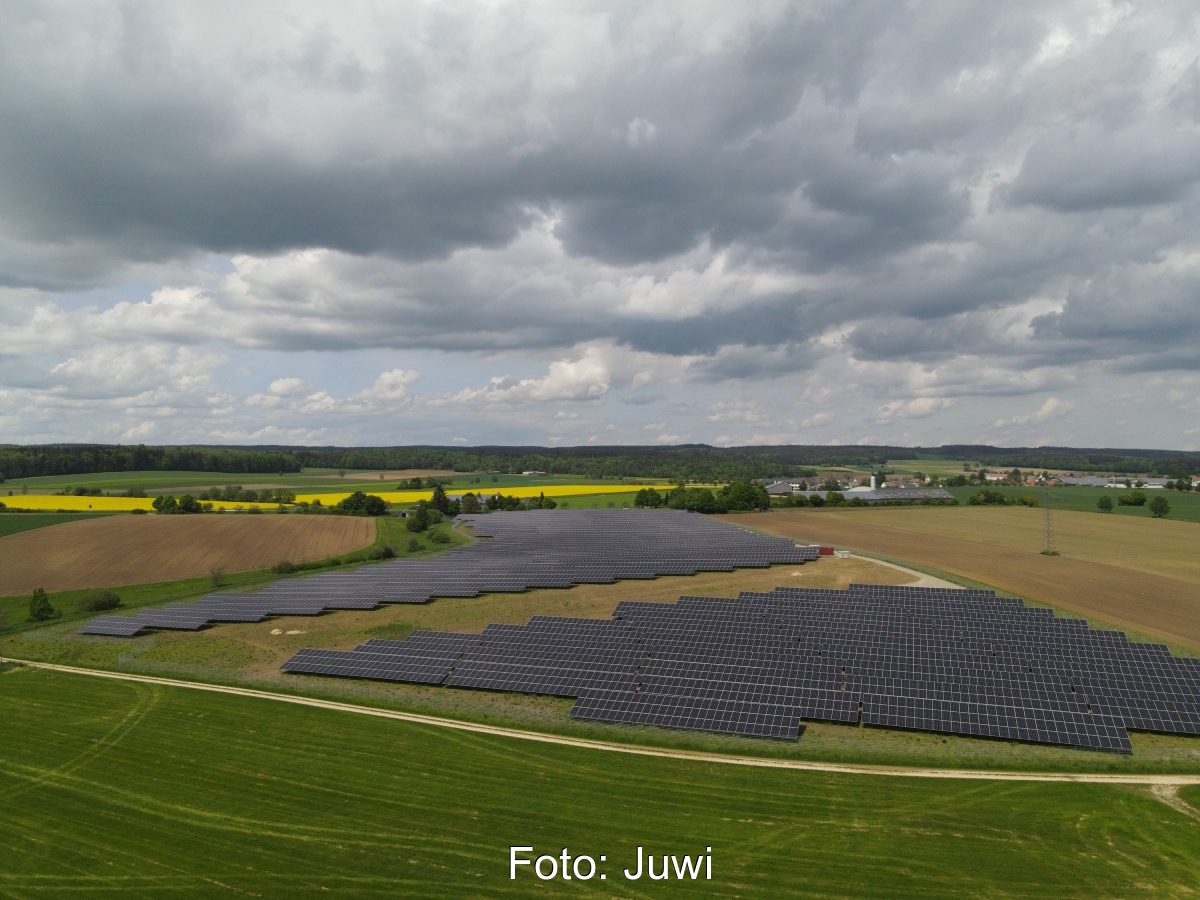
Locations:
(136, 512)
(284, 567)
(384, 552)
(414, 546)
(1132, 498)
(987, 497)
(96, 601)
(440, 537)
(1028, 500)
(40, 609)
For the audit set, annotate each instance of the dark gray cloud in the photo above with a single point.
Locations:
(750, 193)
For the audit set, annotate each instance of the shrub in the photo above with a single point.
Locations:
(1132, 498)
(987, 497)
(216, 576)
(284, 567)
(96, 601)
(414, 546)
(1028, 500)
(40, 609)
(440, 537)
(384, 552)
(136, 512)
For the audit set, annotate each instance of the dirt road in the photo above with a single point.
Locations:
(1167, 783)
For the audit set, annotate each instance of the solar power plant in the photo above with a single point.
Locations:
(952, 661)
(517, 551)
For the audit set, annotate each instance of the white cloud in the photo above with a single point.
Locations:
(917, 408)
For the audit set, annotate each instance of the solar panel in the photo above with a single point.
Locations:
(930, 659)
(524, 550)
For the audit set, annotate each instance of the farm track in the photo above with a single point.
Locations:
(1166, 784)
(1154, 605)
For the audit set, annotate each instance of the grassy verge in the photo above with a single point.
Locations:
(146, 790)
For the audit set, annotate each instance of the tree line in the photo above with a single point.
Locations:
(687, 462)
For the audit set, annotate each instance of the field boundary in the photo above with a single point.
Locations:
(1175, 780)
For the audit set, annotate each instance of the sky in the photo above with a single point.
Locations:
(562, 223)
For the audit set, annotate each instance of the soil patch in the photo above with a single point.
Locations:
(117, 550)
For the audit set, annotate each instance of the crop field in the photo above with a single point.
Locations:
(118, 550)
(12, 523)
(1139, 574)
(327, 497)
(1185, 505)
(104, 794)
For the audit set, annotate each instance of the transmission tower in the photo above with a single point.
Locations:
(1048, 548)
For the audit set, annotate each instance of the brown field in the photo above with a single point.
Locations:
(118, 550)
(1139, 574)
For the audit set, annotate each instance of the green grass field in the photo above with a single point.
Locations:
(1185, 505)
(11, 523)
(118, 788)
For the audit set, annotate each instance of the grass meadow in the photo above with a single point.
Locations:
(142, 790)
(14, 523)
(1185, 505)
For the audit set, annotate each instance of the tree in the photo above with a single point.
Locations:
(419, 519)
(1132, 498)
(40, 609)
(470, 504)
(1105, 504)
(361, 504)
(440, 501)
(1159, 506)
(648, 498)
(165, 505)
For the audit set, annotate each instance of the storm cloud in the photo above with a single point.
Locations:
(557, 222)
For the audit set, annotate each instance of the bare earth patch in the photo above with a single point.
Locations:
(1138, 574)
(117, 550)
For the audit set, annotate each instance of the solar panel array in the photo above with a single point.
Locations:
(930, 659)
(517, 551)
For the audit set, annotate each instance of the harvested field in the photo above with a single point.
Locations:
(117, 550)
(1133, 573)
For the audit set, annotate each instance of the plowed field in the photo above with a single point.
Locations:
(117, 550)
(1139, 574)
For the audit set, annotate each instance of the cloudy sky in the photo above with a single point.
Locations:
(631, 222)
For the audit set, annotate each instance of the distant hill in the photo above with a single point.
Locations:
(692, 462)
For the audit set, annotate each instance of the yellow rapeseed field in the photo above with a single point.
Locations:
(128, 504)
(556, 490)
